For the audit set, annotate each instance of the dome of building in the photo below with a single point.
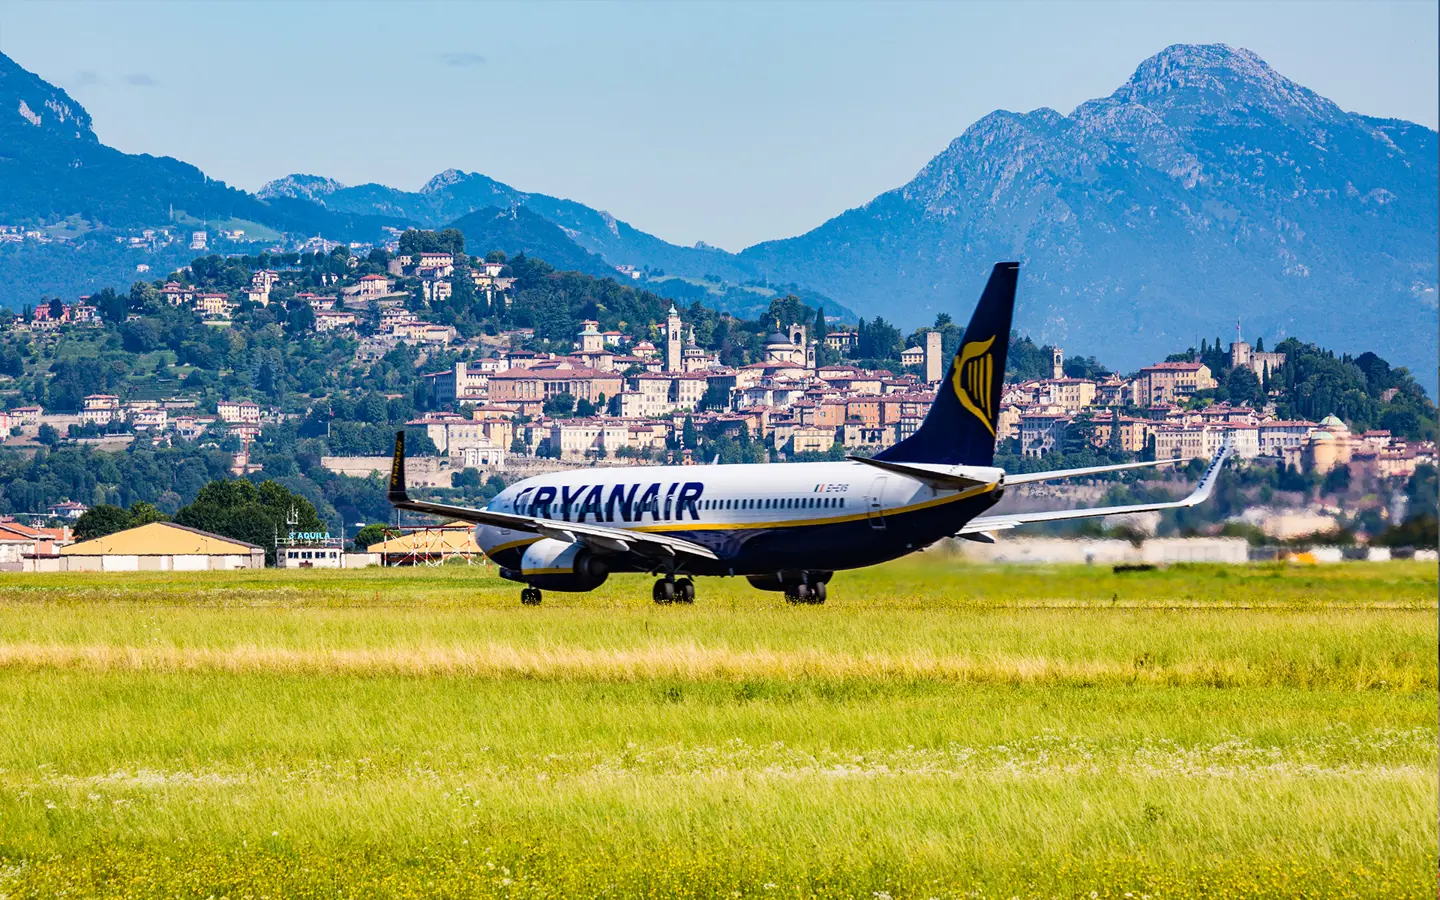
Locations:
(776, 338)
(1333, 424)
(1318, 436)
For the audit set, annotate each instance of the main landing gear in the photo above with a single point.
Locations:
(530, 596)
(669, 590)
(806, 593)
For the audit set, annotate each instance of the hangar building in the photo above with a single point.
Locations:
(161, 547)
(430, 546)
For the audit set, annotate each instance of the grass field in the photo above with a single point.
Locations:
(935, 730)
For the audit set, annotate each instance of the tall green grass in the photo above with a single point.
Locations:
(935, 730)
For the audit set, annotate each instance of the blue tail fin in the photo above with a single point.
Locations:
(960, 428)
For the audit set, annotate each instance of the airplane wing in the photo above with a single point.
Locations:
(1093, 470)
(600, 538)
(978, 528)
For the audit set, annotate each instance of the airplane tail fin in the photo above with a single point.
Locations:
(397, 492)
(960, 428)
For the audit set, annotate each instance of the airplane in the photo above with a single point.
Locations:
(786, 527)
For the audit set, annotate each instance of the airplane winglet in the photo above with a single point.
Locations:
(396, 493)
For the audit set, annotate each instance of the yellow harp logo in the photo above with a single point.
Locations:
(971, 378)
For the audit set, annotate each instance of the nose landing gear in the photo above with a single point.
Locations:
(530, 596)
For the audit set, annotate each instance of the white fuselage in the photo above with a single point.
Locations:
(712, 498)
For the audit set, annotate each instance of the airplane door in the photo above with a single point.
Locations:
(876, 511)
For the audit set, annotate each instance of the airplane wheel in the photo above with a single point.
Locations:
(800, 593)
(664, 591)
(817, 593)
(530, 596)
(684, 591)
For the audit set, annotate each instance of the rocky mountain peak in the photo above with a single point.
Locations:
(29, 102)
(300, 187)
(1219, 80)
(444, 180)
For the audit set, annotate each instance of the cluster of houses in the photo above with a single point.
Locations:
(641, 396)
(44, 318)
(241, 418)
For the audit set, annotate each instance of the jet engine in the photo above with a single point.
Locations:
(560, 566)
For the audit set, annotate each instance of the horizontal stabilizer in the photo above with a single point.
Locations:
(1056, 474)
(941, 477)
(985, 524)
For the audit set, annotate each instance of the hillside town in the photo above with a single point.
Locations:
(610, 397)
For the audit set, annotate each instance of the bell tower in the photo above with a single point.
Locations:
(1057, 363)
(674, 341)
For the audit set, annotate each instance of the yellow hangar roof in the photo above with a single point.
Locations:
(160, 539)
(442, 539)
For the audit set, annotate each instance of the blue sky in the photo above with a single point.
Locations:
(730, 122)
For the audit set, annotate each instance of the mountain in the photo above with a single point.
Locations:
(53, 167)
(518, 230)
(1207, 188)
(453, 193)
(564, 233)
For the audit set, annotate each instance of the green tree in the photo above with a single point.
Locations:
(239, 509)
(373, 533)
(559, 406)
(1422, 491)
(451, 241)
(113, 307)
(98, 521)
(1025, 360)
(48, 435)
(1337, 480)
(142, 513)
(466, 478)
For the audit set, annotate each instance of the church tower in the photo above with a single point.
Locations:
(674, 341)
(1057, 363)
